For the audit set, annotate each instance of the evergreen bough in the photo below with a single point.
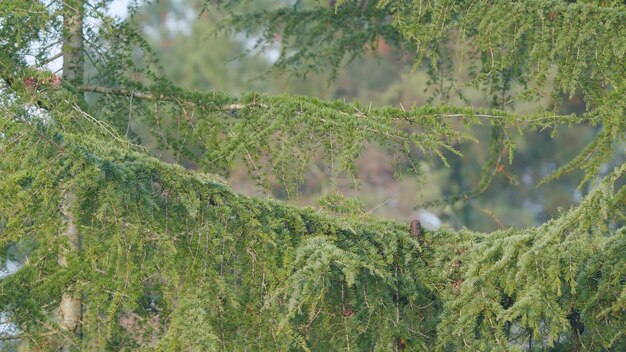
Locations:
(173, 259)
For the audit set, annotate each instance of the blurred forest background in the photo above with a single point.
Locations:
(197, 54)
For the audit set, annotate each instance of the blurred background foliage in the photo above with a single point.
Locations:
(197, 54)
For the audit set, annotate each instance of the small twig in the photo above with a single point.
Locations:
(379, 205)
(160, 97)
(49, 60)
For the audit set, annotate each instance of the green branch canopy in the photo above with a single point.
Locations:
(174, 259)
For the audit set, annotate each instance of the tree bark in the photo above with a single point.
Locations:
(73, 55)
(70, 308)
(70, 313)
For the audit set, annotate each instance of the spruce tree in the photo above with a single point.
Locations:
(122, 251)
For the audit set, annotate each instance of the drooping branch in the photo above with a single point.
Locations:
(152, 97)
(321, 242)
(452, 112)
(432, 128)
(128, 93)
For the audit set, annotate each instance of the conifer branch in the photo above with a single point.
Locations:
(129, 93)
(165, 247)
(399, 113)
(50, 59)
(157, 97)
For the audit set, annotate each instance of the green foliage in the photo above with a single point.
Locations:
(174, 259)
(160, 239)
(527, 41)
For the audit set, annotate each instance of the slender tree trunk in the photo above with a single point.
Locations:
(70, 313)
(73, 55)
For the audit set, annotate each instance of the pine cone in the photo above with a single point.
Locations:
(416, 231)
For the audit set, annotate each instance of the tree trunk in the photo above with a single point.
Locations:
(70, 307)
(73, 62)
(73, 70)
